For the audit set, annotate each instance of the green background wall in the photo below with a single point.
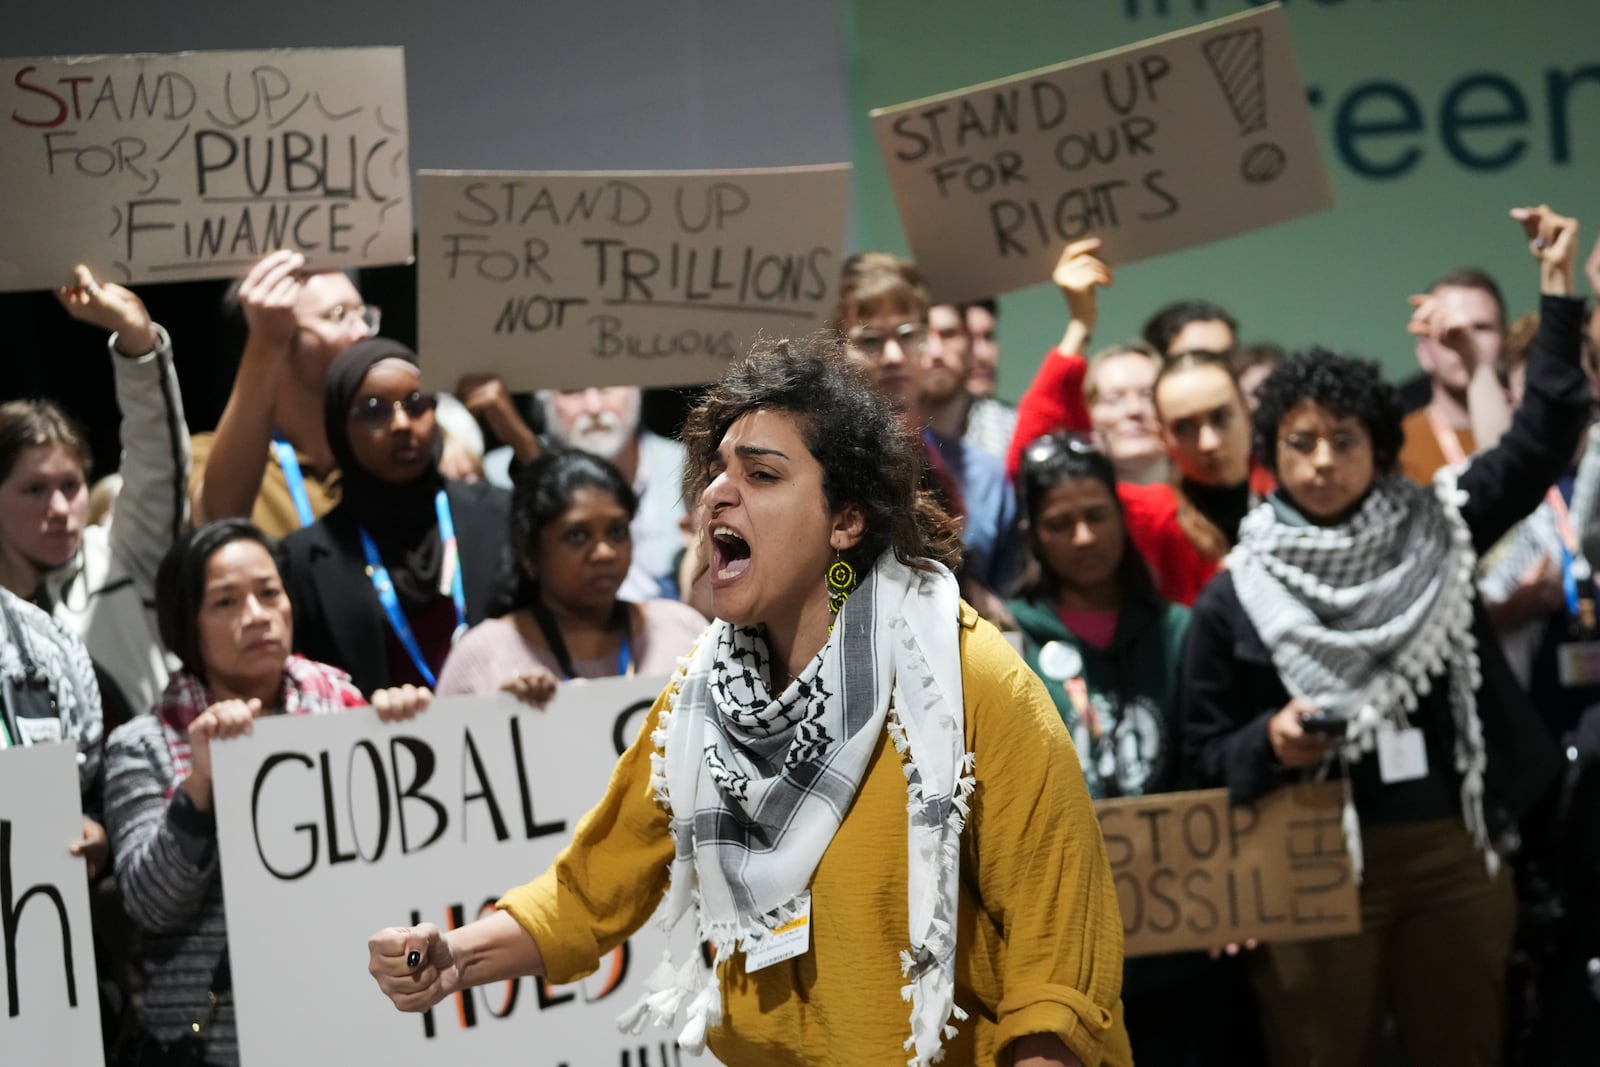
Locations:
(1487, 105)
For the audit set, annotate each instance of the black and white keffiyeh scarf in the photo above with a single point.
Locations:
(758, 786)
(1360, 618)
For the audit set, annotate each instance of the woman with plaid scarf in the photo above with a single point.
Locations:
(1345, 637)
(855, 786)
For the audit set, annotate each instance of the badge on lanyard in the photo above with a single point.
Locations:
(1578, 663)
(763, 948)
(1402, 755)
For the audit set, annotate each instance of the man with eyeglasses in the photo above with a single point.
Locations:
(884, 315)
(269, 458)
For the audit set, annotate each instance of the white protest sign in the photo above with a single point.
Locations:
(52, 1005)
(565, 281)
(154, 168)
(333, 827)
(1173, 142)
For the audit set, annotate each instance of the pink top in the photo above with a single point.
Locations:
(1096, 628)
(494, 651)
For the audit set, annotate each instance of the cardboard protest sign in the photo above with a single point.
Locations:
(1180, 140)
(52, 1005)
(1193, 871)
(154, 168)
(333, 827)
(571, 280)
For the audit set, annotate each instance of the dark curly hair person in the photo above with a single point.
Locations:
(1344, 387)
(1345, 639)
(769, 783)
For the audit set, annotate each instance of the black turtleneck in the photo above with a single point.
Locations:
(1225, 506)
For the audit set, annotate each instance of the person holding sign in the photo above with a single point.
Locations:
(225, 614)
(48, 694)
(1346, 634)
(99, 581)
(391, 577)
(570, 522)
(1182, 528)
(270, 458)
(768, 787)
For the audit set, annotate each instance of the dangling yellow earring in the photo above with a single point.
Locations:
(841, 581)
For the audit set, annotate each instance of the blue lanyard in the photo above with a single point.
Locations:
(624, 657)
(1575, 571)
(449, 574)
(290, 464)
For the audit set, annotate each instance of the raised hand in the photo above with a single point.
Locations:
(112, 308)
(268, 294)
(1078, 272)
(1446, 322)
(1553, 241)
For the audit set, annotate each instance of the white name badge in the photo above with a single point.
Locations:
(792, 939)
(1402, 755)
(1578, 663)
(39, 731)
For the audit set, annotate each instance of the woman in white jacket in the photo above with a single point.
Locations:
(99, 581)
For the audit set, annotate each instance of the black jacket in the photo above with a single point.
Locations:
(337, 617)
(1233, 689)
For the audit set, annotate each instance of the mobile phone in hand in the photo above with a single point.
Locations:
(1324, 723)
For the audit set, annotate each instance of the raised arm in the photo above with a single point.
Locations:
(1445, 322)
(486, 397)
(1078, 274)
(1507, 482)
(154, 503)
(1054, 400)
(239, 453)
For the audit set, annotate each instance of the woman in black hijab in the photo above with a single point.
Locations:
(408, 559)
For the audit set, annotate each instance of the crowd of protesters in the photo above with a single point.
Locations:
(1229, 565)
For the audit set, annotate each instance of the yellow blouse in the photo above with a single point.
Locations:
(1039, 936)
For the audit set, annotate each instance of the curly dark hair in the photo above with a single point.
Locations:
(868, 459)
(1342, 384)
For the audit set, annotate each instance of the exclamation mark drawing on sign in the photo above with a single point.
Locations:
(1236, 61)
